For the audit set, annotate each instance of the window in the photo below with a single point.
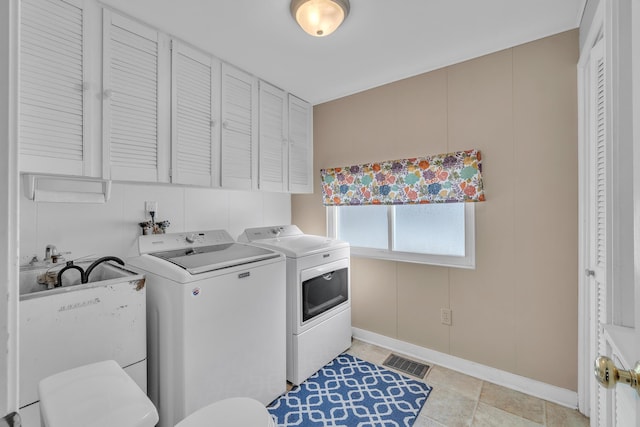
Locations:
(438, 233)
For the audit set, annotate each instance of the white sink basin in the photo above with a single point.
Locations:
(102, 275)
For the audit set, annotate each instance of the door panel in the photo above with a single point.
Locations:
(616, 198)
(597, 226)
(635, 103)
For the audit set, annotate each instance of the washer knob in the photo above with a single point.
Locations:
(191, 238)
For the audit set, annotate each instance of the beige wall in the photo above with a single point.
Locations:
(517, 311)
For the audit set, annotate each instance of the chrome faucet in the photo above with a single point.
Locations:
(50, 253)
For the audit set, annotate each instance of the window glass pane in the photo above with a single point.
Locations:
(364, 226)
(430, 229)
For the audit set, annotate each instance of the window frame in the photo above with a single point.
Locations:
(468, 261)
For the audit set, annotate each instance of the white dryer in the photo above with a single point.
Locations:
(318, 296)
(216, 321)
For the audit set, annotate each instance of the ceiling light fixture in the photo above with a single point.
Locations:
(319, 17)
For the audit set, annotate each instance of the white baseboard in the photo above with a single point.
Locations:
(526, 385)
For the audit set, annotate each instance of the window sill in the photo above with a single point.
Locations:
(467, 262)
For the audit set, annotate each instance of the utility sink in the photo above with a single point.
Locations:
(79, 323)
(104, 274)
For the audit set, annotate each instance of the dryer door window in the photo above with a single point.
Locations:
(324, 292)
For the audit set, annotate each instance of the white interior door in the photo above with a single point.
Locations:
(635, 67)
(613, 191)
(597, 219)
(9, 188)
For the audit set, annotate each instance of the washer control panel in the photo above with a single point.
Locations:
(172, 241)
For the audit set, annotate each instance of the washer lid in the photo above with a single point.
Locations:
(290, 240)
(208, 258)
(302, 245)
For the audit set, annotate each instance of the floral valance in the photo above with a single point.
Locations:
(451, 177)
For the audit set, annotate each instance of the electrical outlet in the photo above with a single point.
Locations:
(151, 207)
(445, 316)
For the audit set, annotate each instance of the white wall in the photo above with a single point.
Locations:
(112, 228)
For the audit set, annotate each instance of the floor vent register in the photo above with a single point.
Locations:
(407, 366)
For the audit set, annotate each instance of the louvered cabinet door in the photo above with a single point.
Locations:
(52, 97)
(195, 116)
(132, 95)
(598, 224)
(239, 139)
(272, 165)
(300, 146)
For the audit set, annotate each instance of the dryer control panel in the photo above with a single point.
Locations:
(261, 233)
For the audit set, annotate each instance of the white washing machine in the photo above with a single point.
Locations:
(216, 321)
(318, 296)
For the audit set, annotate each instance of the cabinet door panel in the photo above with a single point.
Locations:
(239, 129)
(195, 140)
(132, 93)
(272, 166)
(300, 146)
(52, 95)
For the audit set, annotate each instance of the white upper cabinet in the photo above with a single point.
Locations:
(300, 146)
(272, 166)
(239, 138)
(53, 99)
(136, 87)
(286, 145)
(102, 95)
(195, 117)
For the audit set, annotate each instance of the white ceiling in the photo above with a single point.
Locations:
(380, 41)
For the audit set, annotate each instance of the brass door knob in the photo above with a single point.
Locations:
(608, 375)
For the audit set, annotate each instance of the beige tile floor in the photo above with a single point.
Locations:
(461, 400)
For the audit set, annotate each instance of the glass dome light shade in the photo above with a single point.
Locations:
(319, 18)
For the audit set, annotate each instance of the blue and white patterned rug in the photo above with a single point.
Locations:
(350, 392)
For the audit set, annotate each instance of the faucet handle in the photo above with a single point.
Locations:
(58, 258)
